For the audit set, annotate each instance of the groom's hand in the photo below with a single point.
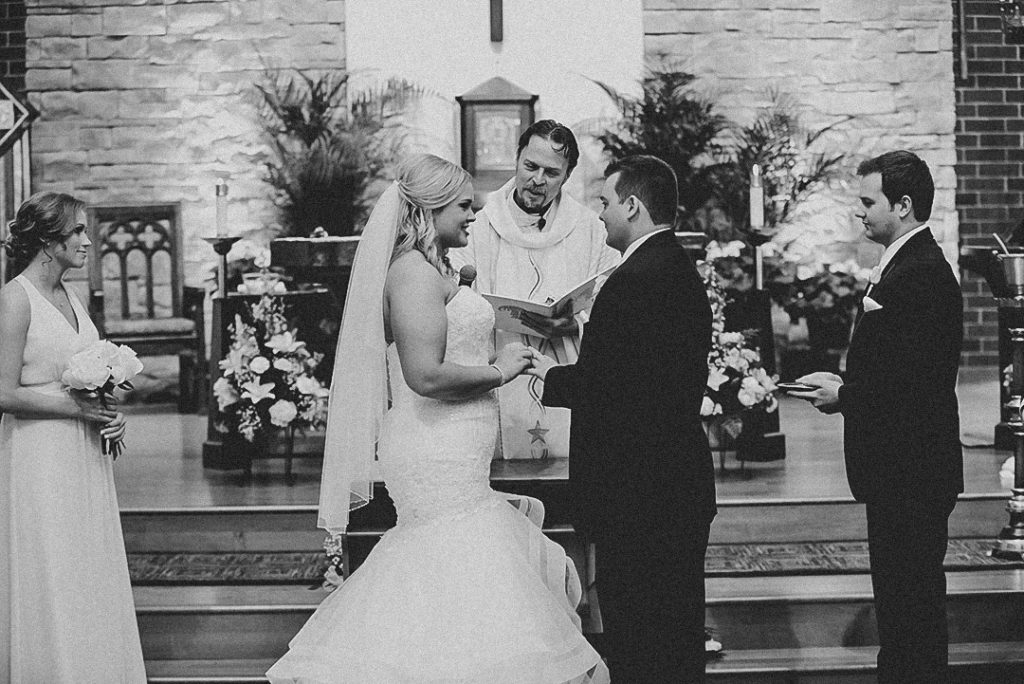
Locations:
(541, 365)
(826, 397)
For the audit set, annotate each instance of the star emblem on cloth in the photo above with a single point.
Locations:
(537, 433)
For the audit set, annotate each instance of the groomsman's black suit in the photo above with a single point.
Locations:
(640, 469)
(903, 454)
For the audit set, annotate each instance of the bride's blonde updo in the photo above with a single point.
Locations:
(425, 183)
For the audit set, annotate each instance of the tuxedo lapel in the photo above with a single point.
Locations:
(907, 251)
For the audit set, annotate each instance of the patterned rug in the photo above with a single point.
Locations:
(727, 560)
(227, 568)
(825, 558)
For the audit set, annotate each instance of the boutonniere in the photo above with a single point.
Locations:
(871, 305)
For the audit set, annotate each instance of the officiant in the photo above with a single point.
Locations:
(532, 241)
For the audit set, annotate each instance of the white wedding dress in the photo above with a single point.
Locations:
(66, 610)
(465, 588)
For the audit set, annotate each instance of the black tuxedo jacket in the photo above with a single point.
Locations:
(639, 457)
(898, 400)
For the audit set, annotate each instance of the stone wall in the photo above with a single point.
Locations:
(151, 101)
(990, 154)
(889, 63)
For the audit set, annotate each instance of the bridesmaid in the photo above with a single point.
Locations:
(66, 610)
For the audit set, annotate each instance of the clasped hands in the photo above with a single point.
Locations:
(96, 409)
(516, 358)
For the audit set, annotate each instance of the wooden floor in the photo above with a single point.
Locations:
(162, 466)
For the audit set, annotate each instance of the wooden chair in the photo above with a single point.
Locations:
(136, 289)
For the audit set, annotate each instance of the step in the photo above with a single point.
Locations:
(830, 610)
(221, 622)
(240, 623)
(971, 663)
(293, 527)
(208, 671)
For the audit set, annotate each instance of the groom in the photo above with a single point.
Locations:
(641, 474)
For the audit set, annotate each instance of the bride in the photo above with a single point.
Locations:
(465, 588)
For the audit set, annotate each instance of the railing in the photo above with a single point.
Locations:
(15, 187)
(15, 161)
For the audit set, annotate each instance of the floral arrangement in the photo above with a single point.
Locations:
(99, 369)
(268, 379)
(827, 299)
(737, 381)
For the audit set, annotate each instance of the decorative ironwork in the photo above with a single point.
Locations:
(15, 118)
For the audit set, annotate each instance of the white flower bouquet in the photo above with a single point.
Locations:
(268, 376)
(737, 382)
(99, 369)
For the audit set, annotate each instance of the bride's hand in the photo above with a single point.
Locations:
(513, 359)
(541, 364)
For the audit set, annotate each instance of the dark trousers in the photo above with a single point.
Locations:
(907, 544)
(650, 590)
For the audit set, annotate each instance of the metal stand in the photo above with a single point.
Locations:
(222, 245)
(1010, 545)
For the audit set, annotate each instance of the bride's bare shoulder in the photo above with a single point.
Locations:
(411, 272)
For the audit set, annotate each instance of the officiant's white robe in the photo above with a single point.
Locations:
(514, 258)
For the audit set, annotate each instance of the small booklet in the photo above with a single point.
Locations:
(507, 310)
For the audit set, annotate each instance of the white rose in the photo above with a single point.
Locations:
(225, 393)
(284, 365)
(311, 386)
(282, 413)
(728, 338)
(124, 364)
(259, 365)
(87, 370)
(750, 392)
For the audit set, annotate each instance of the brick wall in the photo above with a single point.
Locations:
(12, 45)
(889, 63)
(990, 152)
(150, 101)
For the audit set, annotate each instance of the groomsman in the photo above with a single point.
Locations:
(640, 469)
(901, 420)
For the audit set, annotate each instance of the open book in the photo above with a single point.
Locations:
(507, 310)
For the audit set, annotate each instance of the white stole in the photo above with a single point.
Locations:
(534, 266)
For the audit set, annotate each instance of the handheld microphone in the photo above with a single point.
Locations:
(467, 274)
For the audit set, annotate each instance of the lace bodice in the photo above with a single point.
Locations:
(435, 454)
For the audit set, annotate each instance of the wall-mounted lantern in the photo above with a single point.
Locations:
(1012, 13)
(493, 116)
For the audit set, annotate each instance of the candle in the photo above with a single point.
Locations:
(222, 207)
(756, 199)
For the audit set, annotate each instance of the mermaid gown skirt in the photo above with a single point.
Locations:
(465, 588)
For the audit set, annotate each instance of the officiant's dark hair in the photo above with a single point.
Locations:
(903, 173)
(560, 137)
(652, 181)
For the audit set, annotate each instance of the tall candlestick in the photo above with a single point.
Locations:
(222, 207)
(756, 198)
